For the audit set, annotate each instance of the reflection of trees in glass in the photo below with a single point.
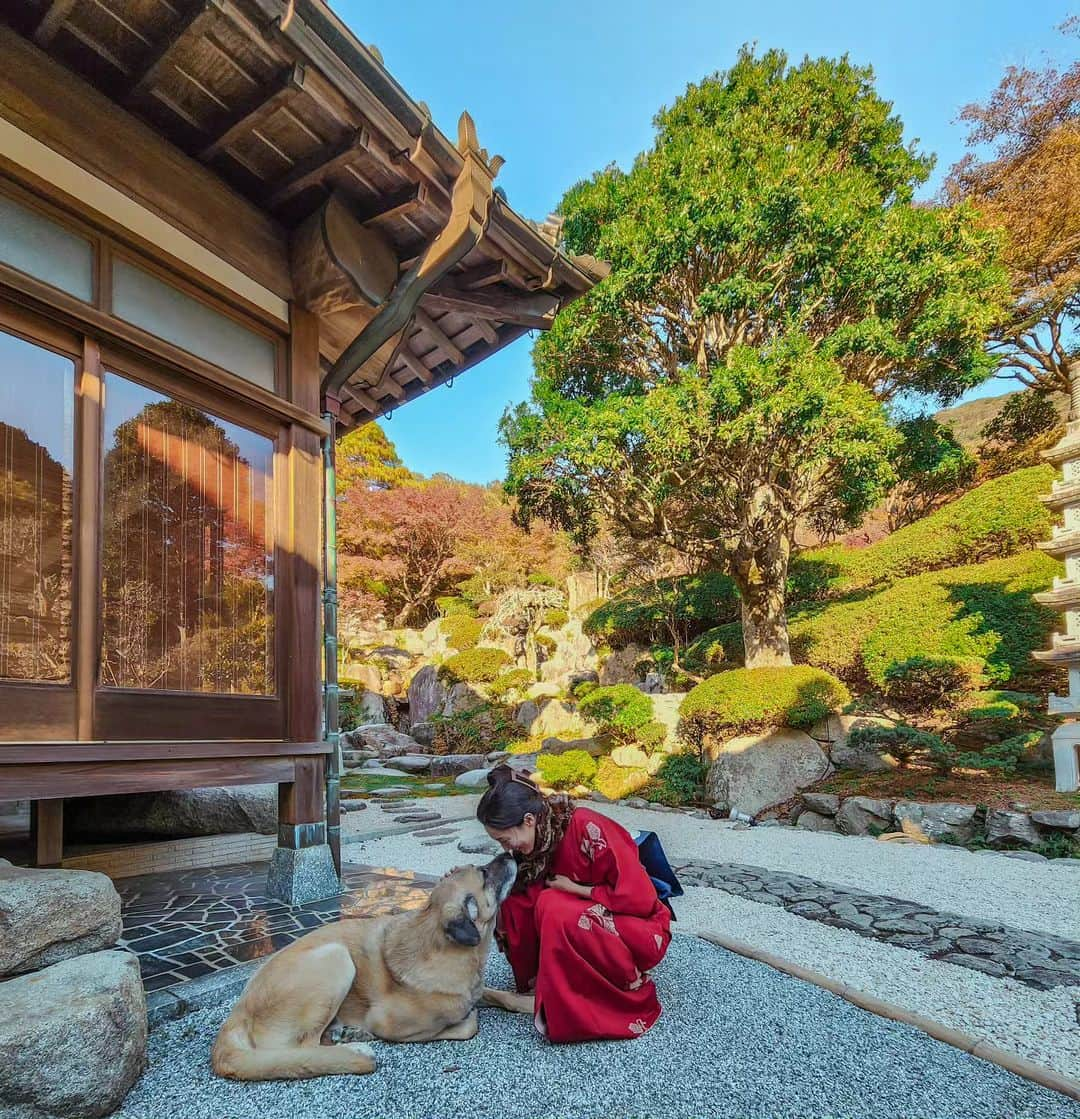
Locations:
(35, 560)
(186, 560)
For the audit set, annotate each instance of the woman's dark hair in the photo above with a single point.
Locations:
(510, 797)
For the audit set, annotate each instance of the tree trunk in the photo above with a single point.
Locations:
(764, 622)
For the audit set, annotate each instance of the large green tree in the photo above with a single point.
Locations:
(772, 284)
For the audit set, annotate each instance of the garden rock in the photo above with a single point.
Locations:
(523, 763)
(633, 757)
(858, 815)
(1010, 827)
(573, 654)
(594, 747)
(384, 738)
(472, 779)
(527, 714)
(371, 707)
(424, 733)
(174, 814)
(936, 821)
(427, 694)
(73, 1038)
(366, 676)
(621, 666)
(756, 771)
(462, 697)
(543, 690)
(666, 711)
(411, 763)
(51, 915)
(390, 791)
(1059, 821)
(449, 765)
(834, 731)
(815, 821)
(825, 804)
(556, 719)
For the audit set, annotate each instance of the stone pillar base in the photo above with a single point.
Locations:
(1066, 741)
(303, 874)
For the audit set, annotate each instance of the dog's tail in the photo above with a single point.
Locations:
(234, 1056)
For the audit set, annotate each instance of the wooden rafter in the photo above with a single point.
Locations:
(51, 22)
(288, 86)
(398, 204)
(439, 336)
(489, 333)
(190, 25)
(312, 170)
(482, 275)
(415, 366)
(534, 311)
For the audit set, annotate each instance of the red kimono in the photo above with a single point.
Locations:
(589, 959)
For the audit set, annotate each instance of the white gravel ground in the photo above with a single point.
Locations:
(736, 1039)
(1040, 1026)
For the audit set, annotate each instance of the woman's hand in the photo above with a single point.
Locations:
(568, 886)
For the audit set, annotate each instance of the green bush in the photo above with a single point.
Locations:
(998, 704)
(931, 681)
(450, 605)
(651, 737)
(516, 680)
(696, 602)
(997, 519)
(583, 688)
(478, 730)
(998, 757)
(983, 612)
(474, 666)
(679, 781)
(564, 771)
(621, 708)
(461, 631)
(750, 698)
(556, 618)
(902, 742)
(547, 644)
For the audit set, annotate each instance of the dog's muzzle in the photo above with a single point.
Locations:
(500, 874)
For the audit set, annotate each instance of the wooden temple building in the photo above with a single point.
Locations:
(226, 235)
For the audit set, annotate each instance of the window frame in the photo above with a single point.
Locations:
(82, 709)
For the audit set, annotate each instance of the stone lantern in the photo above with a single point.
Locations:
(1065, 596)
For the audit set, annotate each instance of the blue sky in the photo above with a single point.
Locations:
(563, 88)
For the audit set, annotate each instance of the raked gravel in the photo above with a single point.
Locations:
(1042, 1026)
(736, 1039)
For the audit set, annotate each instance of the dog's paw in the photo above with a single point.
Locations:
(340, 1035)
(361, 1048)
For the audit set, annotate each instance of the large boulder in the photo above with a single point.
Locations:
(574, 657)
(462, 697)
(864, 816)
(383, 738)
(1058, 821)
(666, 712)
(51, 915)
(527, 714)
(364, 676)
(1004, 827)
(824, 804)
(832, 732)
(370, 708)
(73, 1038)
(621, 666)
(410, 763)
(449, 765)
(557, 719)
(756, 771)
(174, 814)
(936, 821)
(634, 757)
(427, 694)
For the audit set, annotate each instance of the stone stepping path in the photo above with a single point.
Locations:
(1039, 960)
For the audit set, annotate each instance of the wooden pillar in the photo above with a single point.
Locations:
(302, 806)
(47, 832)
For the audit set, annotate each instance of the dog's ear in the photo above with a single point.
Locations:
(462, 929)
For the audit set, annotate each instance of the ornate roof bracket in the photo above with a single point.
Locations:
(470, 210)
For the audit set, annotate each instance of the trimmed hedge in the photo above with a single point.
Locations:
(461, 631)
(983, 612)
(474, 666)
(564, 771)
(449, 605)
(619, 707)
(556, 617)
(516, 680)
(752, 698)
(638, 614)
(997, 519)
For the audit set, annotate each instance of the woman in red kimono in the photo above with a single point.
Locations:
(583, 925)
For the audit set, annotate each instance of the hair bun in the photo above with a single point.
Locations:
(500, 775)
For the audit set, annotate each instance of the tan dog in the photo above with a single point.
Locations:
(414, 976)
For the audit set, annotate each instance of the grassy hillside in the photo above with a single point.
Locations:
(968, 420)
